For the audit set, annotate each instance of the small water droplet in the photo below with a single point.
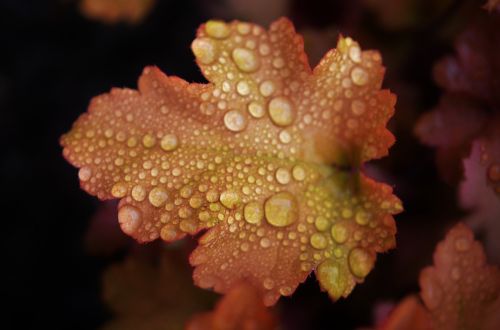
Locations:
(462, 244)
(340, 233)
(119, 190)
(85, 173)
(285, 137)
(138, 193)
(283, 175)
(243, 88)
(361, 262)
(256, 109)
(358, 107)
(265, 242)
(267, 88)
(148, 141)
(204, 49)
(230, 199)
(298, 173)
(246, 60)
(217, 29)
(355, 54)
(321, 223)
(359, 76)
(157, 196)
(318, 241)
(235, 120)
(253, 212)
(281, 111)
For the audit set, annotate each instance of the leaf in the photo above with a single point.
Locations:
(114, 11)
(461, 291)
(151, 292)
(247, 157)
(476, 195)
(240, 308)
(409, 314)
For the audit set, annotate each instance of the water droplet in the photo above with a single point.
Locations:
(230, 199)
(321, 223)
(285, 137)
(361, 262)
(188, 226)
(195, 202)
(298, 173)
(283, 175)
(462, 244)
(157, 196)
(243, 28)
(129, 218)
(169, 142)
(265, 242)
(318, 241)
(119, 190)
(242, 88)
(253, 212)
(340, 233)
(148, 141)
(358, 107)
(281, 111)
(246, 60)
(359, 76)
(138, 193)
(267, 88)
(204, 49)
(281, 209)
(217, 29)
(244, 247)
(455, 273)
(355, 54)
(85, 173)
(256, 109)
(170, 233)
(235, 120)
(268, 283)
(362, 217)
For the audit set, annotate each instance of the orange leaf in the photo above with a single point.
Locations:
(240, 308)
(151, 291)
(247, 155)
(409, 314)
(461, 291)
(114, 11)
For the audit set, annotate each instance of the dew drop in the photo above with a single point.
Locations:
(217, 29)
(358, 107)
(283, 175)
(318, 241)
(188, 226)
(230, 199)
(267, 88)
(169, 142)
(340, 233)
(321, 223)
(256, 109)
(170, 233)
(362, 217)
(138, 193)
(148, 141)
(359, 76)
(355, 54)
(281, 111)
(157, 196)
(285, 137)
(119, 190)
(85, 173)
(129, 218)
(298, 173)
(235, 120)
(246, 60)
(204, 49)
(242, 88)
(281, 209)
(253, 212)
(265, 242)
(268, 283)
(361, 262)
(462, 244)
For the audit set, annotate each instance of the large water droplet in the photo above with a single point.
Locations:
(129, 218)
(340, 233)
(138, 193)
(281, 209)
(281, 111)
(204, 49)
(318, 241)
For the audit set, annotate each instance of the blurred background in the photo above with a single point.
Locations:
(59, 244)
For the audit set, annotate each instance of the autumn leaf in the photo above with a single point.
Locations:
(151, 290)
(114, 11)
(247, 156)
(460, 291)
(241, 308)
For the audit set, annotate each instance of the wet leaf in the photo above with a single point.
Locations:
(247, 156)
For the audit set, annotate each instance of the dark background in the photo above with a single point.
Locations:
(53, 61)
